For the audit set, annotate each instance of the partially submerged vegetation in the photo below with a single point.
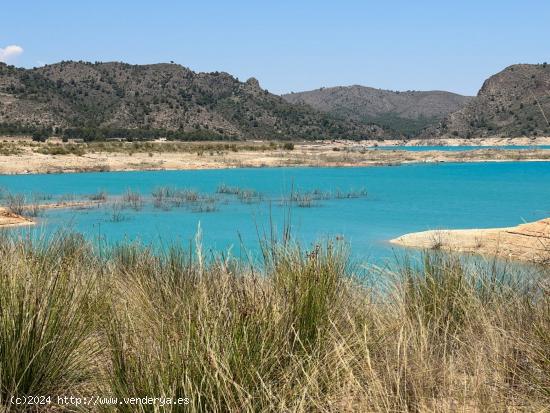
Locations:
(165, 197)
(246, 195)
(308, 199)
(19, 204)
(133, 199)
(303, 331)
(99, 196)
(296, 197)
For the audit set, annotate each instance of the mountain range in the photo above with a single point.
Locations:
(102, 100)
(407, 112)
(513, 102)
(120, 99)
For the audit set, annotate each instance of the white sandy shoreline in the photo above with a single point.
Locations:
(455, 142)
(32, 159)
(9, 219)
(527, 242)
(222, 167)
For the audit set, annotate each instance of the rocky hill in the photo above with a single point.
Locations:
(164, 98)
(408, 112)
(514, 102)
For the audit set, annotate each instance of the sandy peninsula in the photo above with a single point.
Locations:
(9, 219)
(19, 156)
(526, 242)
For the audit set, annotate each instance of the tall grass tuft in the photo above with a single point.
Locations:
(305, 330)
(48, 298)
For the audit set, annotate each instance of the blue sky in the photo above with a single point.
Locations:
(290, 45)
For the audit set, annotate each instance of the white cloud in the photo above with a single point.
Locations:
(10, 52)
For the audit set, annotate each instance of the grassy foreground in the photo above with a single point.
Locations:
(298, 335)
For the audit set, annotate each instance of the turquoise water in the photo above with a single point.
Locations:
(400, 199)
(456, 148)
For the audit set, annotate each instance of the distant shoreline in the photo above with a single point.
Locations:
(23, 156)
(453, 141)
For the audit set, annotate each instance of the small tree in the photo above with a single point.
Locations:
(39, 136)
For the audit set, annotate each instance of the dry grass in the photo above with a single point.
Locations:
(10, 149)
(54, 156)
(297, 333)
(148, 147)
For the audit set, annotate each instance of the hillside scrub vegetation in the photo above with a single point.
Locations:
(94, 101)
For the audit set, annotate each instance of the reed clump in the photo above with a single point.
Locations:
(34, 208)
(116, 211)
(245, 195)
(303, 200)
(133, 199)
(100, 196)
(307, 199)
(160, 197)
(304, 330)
(27, 206)
(205, 205)
(165, 197)
(15, 203)
(353, 193)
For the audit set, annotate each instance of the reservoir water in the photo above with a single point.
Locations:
(400, 199)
